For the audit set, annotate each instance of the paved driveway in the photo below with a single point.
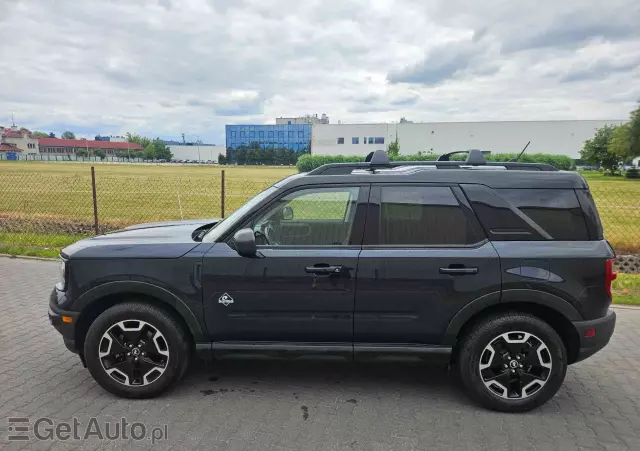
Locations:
(302, 405)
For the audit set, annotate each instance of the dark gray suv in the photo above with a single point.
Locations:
(500, 269)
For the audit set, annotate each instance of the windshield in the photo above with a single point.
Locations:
(214, 234)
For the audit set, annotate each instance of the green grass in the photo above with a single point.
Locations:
(626, 289)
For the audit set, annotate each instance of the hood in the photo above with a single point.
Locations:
(170, 239)
(195, 222)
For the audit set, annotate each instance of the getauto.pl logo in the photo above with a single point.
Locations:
(46, 429)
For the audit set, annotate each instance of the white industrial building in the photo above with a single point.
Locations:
(194, 151)
(554, 137)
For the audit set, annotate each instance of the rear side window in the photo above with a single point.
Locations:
(556, 211)
(427, 216)
(528, 214)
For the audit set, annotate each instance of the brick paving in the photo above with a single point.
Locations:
(303, 405)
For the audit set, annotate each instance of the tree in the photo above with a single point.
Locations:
(149, 152)
(162, 151)
(596, 150)
(135, 138)
(122, 154)
(222, 159)
(52, 135)
(393, 150)
(82, 153)
(634, 133)
(100, 154)
(40, 135)
(68, 135)
(620, 144)
(241, 155)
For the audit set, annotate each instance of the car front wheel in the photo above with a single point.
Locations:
(136, 350)
(512, 362)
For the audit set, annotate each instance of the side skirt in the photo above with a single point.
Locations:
(351, 351)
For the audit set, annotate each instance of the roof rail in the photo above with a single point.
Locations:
(474, 156)
(377, 159)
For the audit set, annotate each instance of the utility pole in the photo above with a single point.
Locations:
(198, 142)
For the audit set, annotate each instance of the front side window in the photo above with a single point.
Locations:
(422, 216)
(309, 217)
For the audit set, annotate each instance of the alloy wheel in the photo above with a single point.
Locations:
(133, 352)
(515, 365)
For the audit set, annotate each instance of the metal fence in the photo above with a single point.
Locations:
(34, 206)
(56, 207)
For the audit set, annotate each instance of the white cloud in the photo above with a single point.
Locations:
(164, 67)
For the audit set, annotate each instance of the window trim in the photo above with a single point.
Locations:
(357, 230)
(372, 229)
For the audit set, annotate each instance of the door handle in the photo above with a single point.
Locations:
(459, 271)
(324, 270)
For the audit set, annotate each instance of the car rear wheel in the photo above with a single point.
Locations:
(136, 350)
(512, 362)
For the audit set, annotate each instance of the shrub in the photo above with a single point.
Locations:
(307, 163)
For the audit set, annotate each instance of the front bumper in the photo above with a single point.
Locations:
(66, 326)
(603, 328)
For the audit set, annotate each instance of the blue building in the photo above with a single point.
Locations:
(288, 136)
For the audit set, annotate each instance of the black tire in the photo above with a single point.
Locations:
(174, 337)
(484, 333)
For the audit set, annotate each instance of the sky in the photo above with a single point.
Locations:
(167, 67)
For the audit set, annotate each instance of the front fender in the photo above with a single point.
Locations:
(136, 287)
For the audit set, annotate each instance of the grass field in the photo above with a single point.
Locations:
(43, 203)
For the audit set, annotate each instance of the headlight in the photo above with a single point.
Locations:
(62, 277)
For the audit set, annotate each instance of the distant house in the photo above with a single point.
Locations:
(55, 146)
(21, 138)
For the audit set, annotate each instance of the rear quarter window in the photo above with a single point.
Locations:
(528, 214)
(556, 211)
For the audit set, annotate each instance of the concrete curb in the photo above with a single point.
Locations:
(626, 306)
(28, 257)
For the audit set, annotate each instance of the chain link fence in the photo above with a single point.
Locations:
(56, 208)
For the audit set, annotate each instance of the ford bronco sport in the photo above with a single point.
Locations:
(499, 268)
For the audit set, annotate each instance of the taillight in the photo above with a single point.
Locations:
(610, 276)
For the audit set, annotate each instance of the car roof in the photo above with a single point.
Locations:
(475, 170)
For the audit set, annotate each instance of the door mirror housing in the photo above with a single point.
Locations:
(245, 242)
(287, 213)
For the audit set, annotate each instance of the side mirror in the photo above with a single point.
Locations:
(245, 242)
(287, 213)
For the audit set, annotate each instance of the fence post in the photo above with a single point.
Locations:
(95, 201)
(222, 195)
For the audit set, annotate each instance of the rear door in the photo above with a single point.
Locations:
(424, 257)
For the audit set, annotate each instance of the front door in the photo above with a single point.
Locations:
(424, 257)
(301, 285)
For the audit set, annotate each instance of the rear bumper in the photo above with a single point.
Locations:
(603, 328)
(66, 328)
